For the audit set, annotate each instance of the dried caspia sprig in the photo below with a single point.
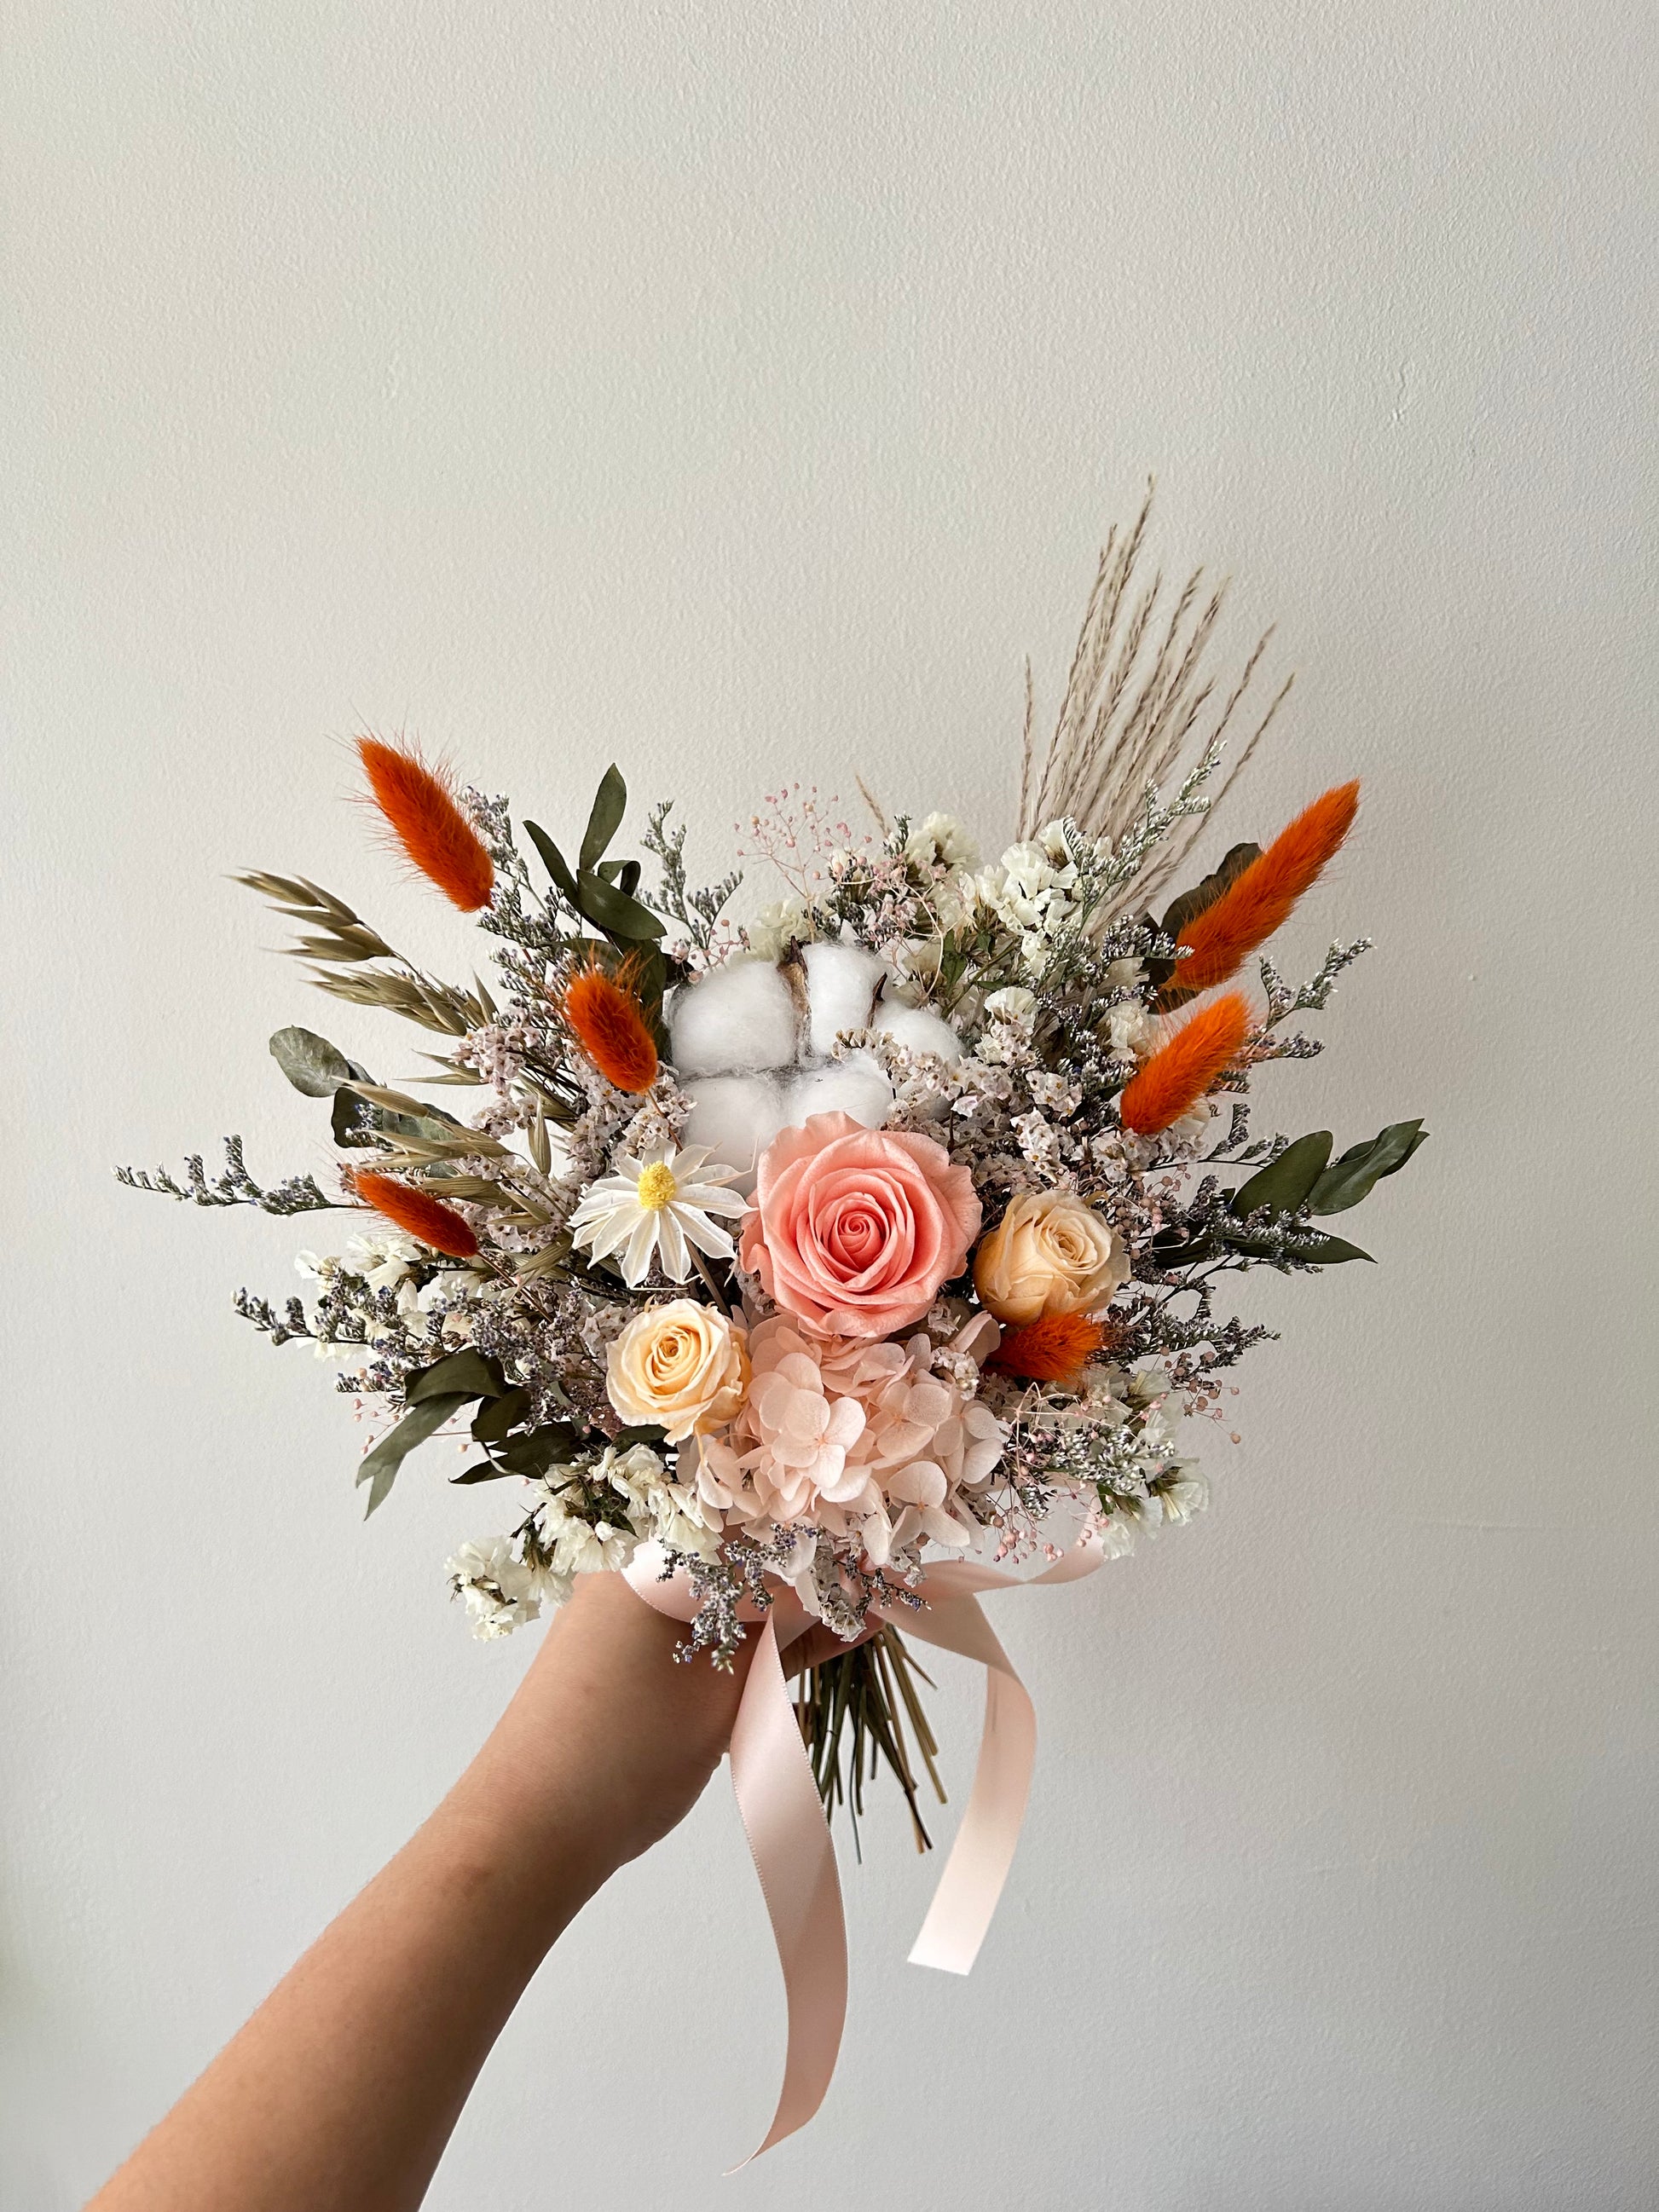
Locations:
(235, 1187)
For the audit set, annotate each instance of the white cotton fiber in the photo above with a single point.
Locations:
(737, 1116)
(842, 983)
(741, 1016)
(919, 1028)
(854, 1085)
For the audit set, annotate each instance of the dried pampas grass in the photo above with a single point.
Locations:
(1138, 709)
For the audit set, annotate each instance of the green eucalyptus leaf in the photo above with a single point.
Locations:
(629, 880)
(465, 1374)
(1173, 1252)
(535, 1453)
(379, 1469)
(352, 1120)
(646, 1432)
(312, 1064)
(1353, 1176)
(613, 910)
(1324, 1251)
(552, 859)
(1283, 1184)
(492, 1419)
(485, 1471)
(1192, 903)
(609, 805)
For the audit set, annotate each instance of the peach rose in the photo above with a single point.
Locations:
(853, 1230)
(682, 1366)
(1049, 1253)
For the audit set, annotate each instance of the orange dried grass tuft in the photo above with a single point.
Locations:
(429, 823)
(416, 1214)
(1185, 1066)
(1055, 1348)
(608, 1022)
(1257, 901)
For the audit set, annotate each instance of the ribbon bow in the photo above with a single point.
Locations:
(784, 1819)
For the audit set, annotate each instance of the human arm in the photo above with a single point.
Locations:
(341, 2092)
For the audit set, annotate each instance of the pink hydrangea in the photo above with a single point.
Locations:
(847, 1436)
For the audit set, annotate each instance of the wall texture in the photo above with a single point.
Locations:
(740, 391)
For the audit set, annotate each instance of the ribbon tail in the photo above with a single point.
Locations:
(789, 1840)
(980, 1857)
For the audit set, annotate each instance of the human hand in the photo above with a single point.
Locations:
(610, 1735)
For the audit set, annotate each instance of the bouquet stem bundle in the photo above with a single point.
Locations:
(853, 1711)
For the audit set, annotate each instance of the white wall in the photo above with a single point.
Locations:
(738, 391)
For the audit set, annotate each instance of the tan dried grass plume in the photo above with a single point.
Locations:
(1139, 708)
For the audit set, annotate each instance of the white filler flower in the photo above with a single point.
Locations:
(662, 1201)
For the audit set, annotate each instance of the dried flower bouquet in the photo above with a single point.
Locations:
(886, 1226)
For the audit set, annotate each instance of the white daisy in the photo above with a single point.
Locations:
(661, 1201)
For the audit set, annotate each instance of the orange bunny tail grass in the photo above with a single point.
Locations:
(428, 823)
(609, 1024)
(1055, 1349)
(1224, 936)
(1183, 1068)
(425, 1218)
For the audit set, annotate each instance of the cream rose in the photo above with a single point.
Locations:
(1049, 1253)
(682, 1366)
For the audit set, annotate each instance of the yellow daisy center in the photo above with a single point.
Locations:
(656, 1186)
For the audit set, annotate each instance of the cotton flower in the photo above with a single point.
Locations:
(658, 1204)
(756, 1050)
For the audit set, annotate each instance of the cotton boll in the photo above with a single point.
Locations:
(919, 1028)
(737, 1116)
(854, 1085)
(842, 983)
(740, 1016)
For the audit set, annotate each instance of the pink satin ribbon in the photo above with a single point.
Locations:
(783, 1816)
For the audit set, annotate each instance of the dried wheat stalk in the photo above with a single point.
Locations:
(1138, 707)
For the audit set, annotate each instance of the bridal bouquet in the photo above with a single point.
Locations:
(885, 1227)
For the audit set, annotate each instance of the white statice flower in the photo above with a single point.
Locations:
(1183, 1493)
(674, 1513)
(499, 1589)
(1131, 1032)
(913, 967)
(1032, 888)
(383, 1257)
(1116, 1536)
(636, 1473)
(776, 927)
(1012, 1003)
(658, 1206)
(1190, 1131)
(589, 1548)
(941, 840)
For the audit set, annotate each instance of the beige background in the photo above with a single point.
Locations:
(740, 391)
